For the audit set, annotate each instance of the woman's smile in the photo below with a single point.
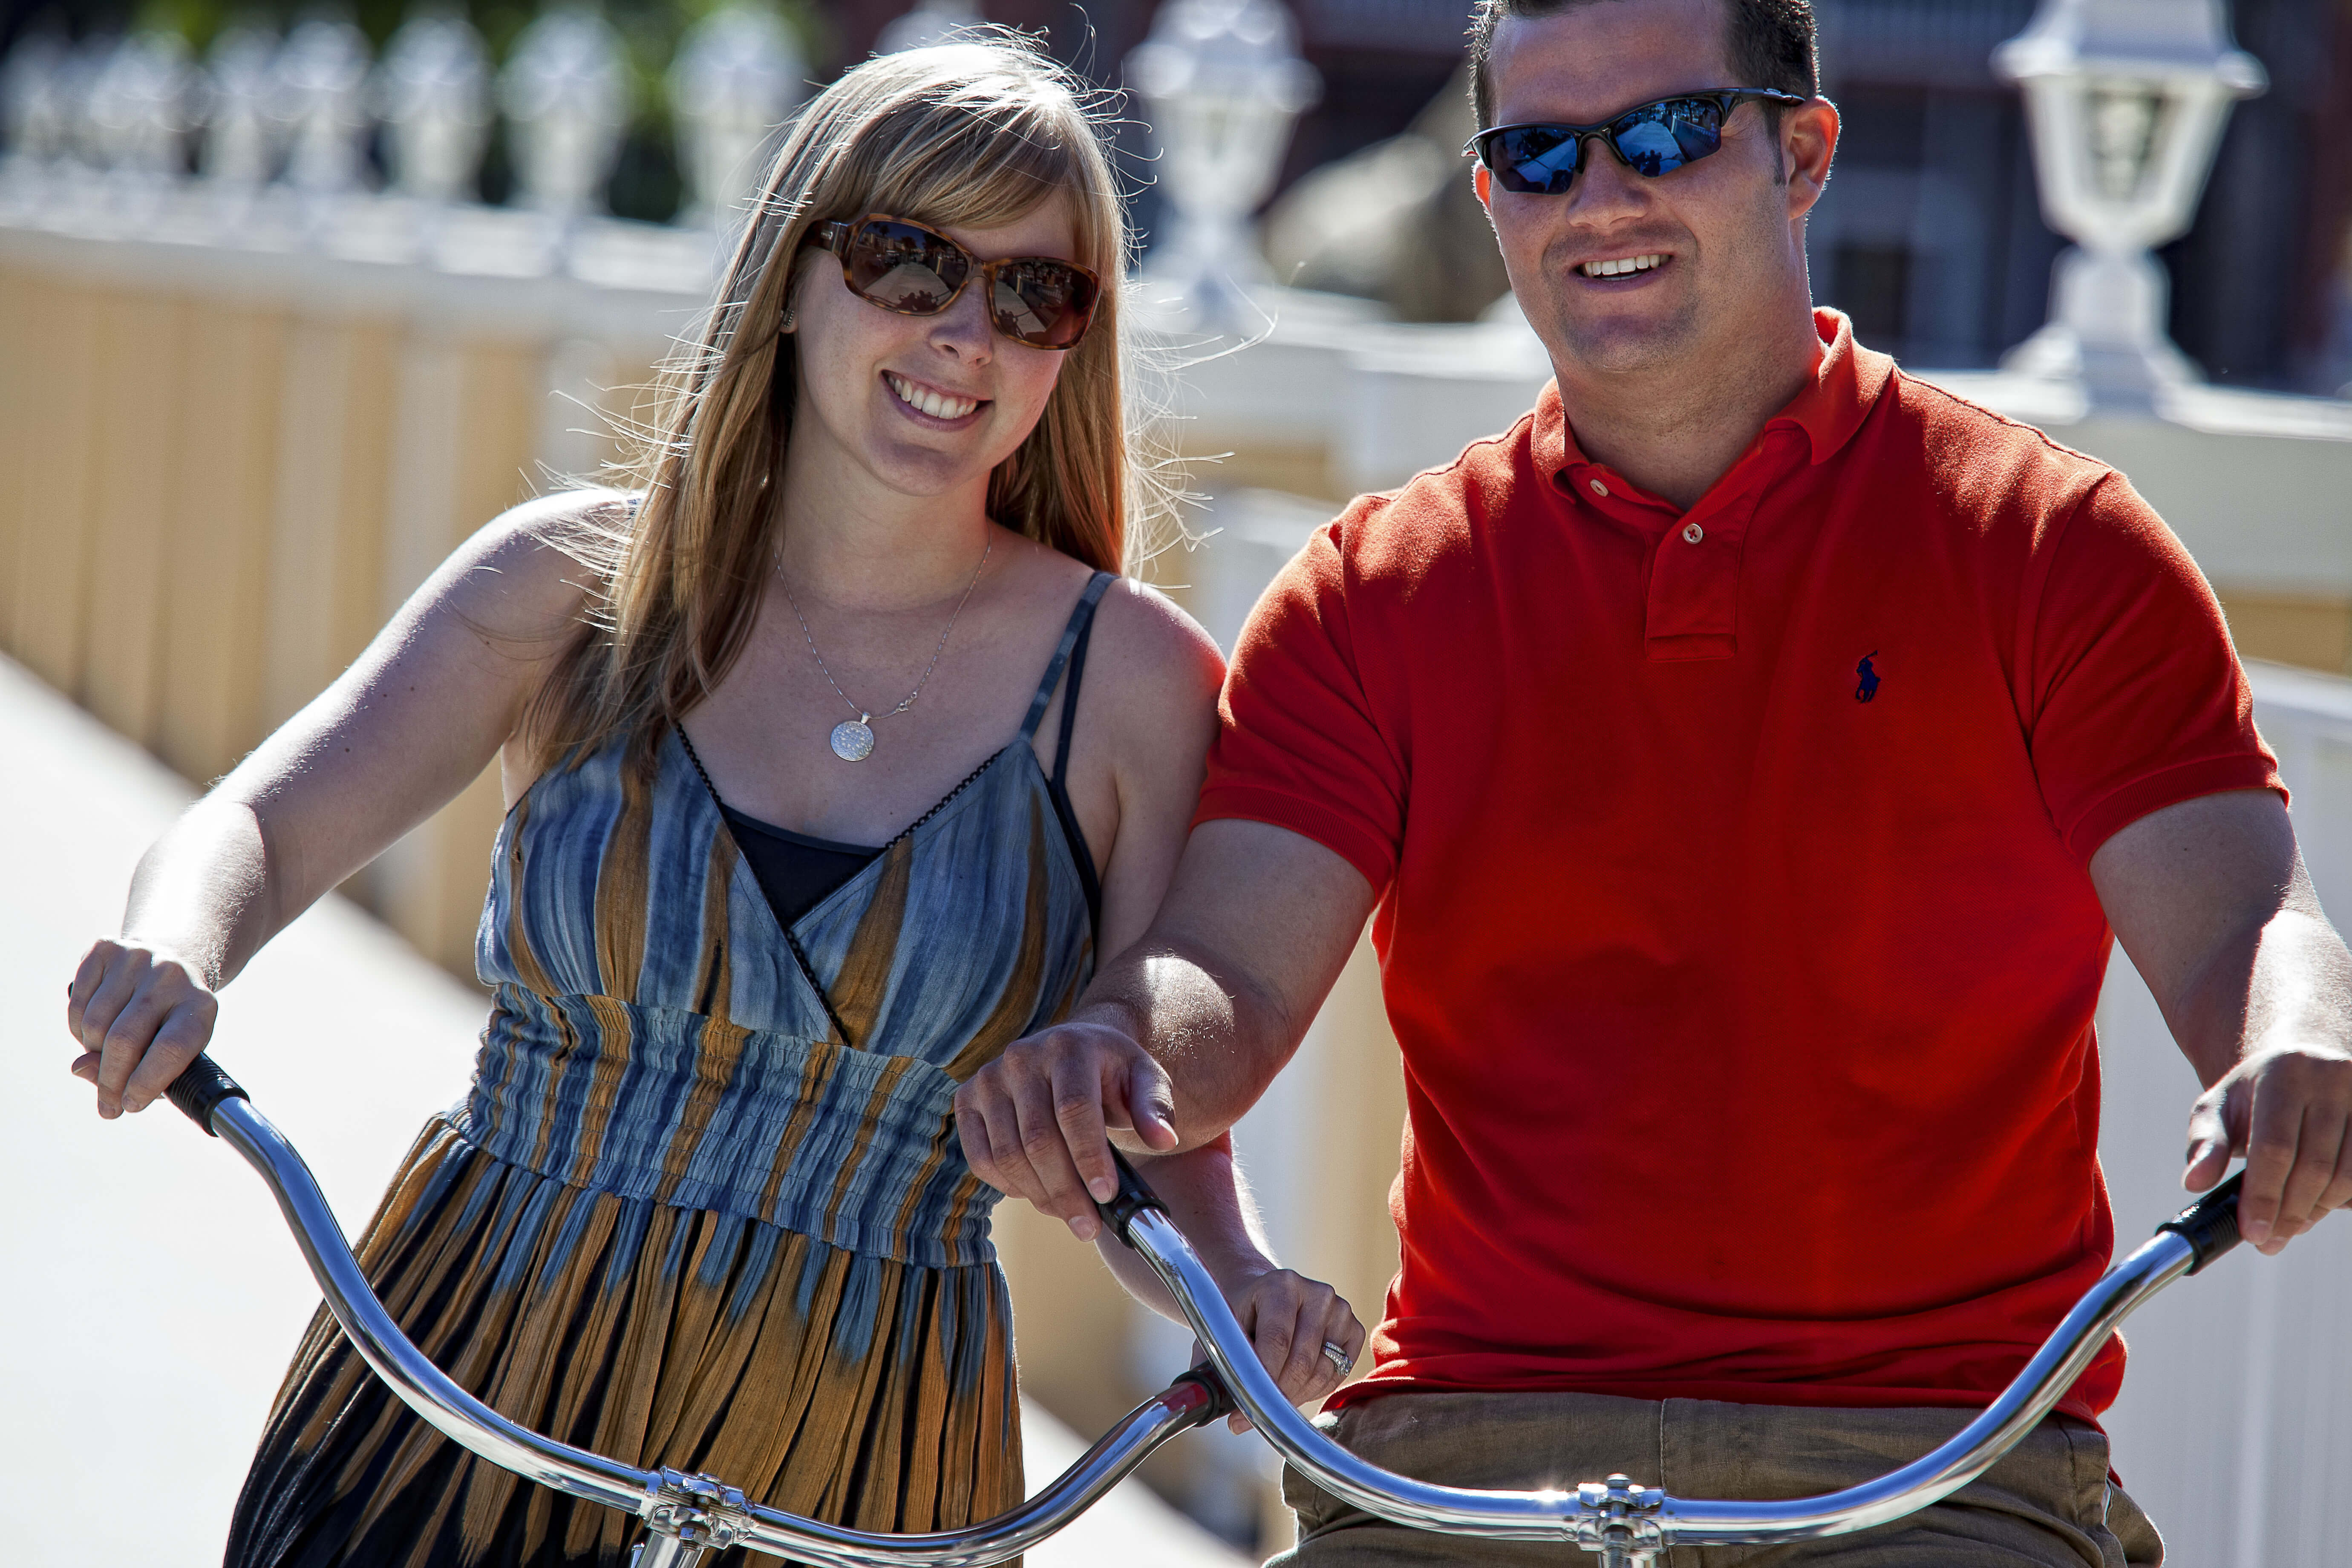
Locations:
(930, 406)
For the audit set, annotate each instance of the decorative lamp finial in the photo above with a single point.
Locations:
(241, 133)
(33, 114)
(1223, 81)
(566, 98)
(321, 89)
(138, 106)
(2127, 99)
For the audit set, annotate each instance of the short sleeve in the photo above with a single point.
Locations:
(2141, 703)
(1300, 742)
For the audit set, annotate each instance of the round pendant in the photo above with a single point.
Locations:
(853, 742)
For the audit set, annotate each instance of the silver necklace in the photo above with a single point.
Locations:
(852, 739)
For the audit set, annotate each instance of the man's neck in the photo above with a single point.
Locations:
(1675, 430)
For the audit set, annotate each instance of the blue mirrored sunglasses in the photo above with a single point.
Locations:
(1651, 139)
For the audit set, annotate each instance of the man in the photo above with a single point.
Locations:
(1746, 761)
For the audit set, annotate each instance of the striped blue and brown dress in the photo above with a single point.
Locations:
(704, 1204)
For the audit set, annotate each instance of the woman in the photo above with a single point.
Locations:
(832, 759)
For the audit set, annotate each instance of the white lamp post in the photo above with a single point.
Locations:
(2127, 101)
(737, 75)
(434, 90)
(1223, 81)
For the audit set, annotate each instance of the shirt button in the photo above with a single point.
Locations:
(1599, 489)
(1693, 534)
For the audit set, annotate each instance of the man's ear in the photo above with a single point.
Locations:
(1808, 137)
(1482, 182)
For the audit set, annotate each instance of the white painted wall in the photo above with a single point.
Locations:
(2234, 1429)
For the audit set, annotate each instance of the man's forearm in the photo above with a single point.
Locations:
(2211, 898)
(1179, 1032)
(1220, 1040)
(2285, 981)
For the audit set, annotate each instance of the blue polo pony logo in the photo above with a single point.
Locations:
(1867, 687)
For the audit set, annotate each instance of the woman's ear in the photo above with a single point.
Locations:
(793, 283)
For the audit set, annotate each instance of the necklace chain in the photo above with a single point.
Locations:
(864, 715)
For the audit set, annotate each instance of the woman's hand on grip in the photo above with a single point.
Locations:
(140, 1014)
(1289, 1318)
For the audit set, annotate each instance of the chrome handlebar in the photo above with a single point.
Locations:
(685, 1514)
(1627, 1525)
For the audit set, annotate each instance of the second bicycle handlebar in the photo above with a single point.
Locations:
(1628, 1524)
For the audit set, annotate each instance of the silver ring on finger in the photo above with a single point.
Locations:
(1338, 1356)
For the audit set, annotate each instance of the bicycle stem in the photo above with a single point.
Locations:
(1628, 1525)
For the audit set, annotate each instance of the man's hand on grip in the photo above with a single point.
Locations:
(2289, 1112)
(1036, 1124)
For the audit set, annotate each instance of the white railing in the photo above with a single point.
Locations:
(277, 130)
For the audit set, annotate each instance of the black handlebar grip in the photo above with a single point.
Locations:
(1134, 1197)
(202, 1087)
(2209, 1226)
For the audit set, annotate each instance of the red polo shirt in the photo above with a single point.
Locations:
(1735, 921)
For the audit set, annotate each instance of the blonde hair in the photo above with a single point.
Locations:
(973, 133)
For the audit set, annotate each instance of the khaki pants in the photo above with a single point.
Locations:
(2047, 1504)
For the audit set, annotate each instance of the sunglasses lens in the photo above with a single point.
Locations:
(1645, 139)
(1536, 159)
(1659, 138)
(1044, 303)
(1655, 139)
(901, 268)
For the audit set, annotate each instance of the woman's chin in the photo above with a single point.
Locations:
(922, 473)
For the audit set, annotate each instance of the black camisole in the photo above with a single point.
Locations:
(797, 872)
(794, 869)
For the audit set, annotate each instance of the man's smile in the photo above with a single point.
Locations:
(1625, 266)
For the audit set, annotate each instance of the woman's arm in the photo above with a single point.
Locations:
(413, 720)
(1288, 1317)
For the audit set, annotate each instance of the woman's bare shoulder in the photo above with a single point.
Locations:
(1153, 657)
(535, 568)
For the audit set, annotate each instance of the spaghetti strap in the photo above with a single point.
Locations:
(1071, 654)
(1081, 620)
(1070, 684)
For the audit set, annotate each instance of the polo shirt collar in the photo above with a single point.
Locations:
(1847, 380)
(1827, 411)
